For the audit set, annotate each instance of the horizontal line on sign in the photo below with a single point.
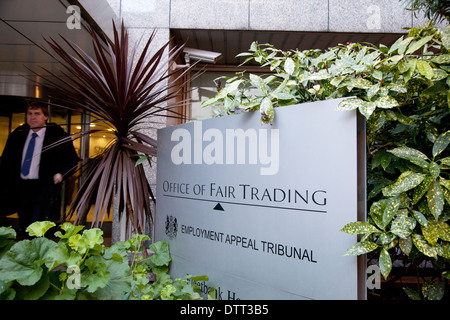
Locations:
(244, 204)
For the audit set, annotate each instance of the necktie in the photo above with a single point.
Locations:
(29, 155)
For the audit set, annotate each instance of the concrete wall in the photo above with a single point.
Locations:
(287, 15)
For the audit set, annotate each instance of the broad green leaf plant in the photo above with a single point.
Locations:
(403, 92)
(78, 266)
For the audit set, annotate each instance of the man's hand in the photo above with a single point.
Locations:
(57, 178)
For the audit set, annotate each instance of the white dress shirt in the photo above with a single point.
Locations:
(34, 169)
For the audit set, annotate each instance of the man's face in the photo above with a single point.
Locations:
(36, 118)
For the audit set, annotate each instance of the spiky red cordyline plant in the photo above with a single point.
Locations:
(125, 96)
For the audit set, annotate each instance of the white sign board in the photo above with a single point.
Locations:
(258, 208)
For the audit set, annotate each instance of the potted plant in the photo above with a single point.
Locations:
(127, 92)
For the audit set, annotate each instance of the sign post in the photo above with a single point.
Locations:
(258, 208)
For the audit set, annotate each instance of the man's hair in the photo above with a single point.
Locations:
(38, 105)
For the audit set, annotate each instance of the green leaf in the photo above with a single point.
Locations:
(412, 294)
(441, 143)
(56, 256)
(33, 292)
(23, 261)
(161, 256)
(413, 155)
(39, 228)
(359, 227)
(69, 229)
(446, 274)
(405, 182)
(385, 263)
(96, 276)
(119, 282)
(435, 199)
(90, 239)
(361, 248)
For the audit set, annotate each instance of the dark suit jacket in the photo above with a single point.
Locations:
(58, 159)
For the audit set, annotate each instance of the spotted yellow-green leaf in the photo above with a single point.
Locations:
(387, 239)
(397, 87)
(359, 227)
(446, 37)
(405, 244)
(435, 199)
(413, 155)
(403, 65)
(373, 90)
(359, 83)
(386, 102)
(392, 206)
(420, 218)
(446, 250)
(402, 225)
(385, 263)
(423, 246)
(446, 274)
(425, 69)
(445, 161)
(439, 74)
(289, 66)
(350, 104)
(441, 143)
(442, 229)
(434, 170)
(367, 108)
(407, 181)
(441, 59)
(433, 291)
(416, 45)
(361, 248)
(376, 212)
(421, 189)
(267, 111)
(430, 233)
(377, 74)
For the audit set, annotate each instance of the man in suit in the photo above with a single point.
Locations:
(34, 163)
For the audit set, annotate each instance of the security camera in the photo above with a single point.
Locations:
(201, 55)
